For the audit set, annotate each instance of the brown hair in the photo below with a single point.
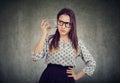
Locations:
(72, 34)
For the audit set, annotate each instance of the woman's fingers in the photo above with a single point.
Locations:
(70, 68)
(70, 71)
(48, 26)
(34, 59)
(44, 24)
(70, 75)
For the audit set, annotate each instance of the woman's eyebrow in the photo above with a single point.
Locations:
(63, 21)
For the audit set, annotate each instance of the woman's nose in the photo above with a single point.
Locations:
(63, 26)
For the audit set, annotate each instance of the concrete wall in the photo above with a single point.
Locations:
(97, 24)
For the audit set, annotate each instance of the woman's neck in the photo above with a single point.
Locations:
(64, 38)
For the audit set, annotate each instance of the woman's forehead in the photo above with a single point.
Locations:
(64, 18)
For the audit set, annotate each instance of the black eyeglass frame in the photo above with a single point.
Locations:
(67, 24)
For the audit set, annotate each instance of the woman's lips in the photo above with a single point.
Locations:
(62, 30)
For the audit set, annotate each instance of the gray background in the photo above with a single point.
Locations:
(97, 25)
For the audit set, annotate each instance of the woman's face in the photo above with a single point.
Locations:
(64, 25)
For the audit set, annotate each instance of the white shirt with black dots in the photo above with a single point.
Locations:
(66, 56)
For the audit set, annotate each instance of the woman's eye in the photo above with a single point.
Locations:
(67, 23)
(61, 22)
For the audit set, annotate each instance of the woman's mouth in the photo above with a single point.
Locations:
(62, 30)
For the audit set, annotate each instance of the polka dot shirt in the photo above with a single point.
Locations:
(66, 56)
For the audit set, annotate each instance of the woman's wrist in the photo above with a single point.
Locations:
(79, 75)
(76, 77)
(44, 35)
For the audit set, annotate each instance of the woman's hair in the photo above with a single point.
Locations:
(72, 34)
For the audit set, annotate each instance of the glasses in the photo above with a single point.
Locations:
(67, 24)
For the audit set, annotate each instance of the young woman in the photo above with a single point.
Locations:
(61, 49)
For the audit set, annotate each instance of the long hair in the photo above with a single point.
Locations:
(72, 34)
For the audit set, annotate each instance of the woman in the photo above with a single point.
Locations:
(61, 49)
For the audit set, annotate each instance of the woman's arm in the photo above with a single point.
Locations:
(89, 61)
(40, 45)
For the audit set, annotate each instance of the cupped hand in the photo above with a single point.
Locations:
(45, 26)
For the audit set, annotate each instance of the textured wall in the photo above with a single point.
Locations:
(97, 24)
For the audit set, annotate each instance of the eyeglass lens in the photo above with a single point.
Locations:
(67, 24)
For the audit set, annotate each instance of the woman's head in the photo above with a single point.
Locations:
(67, 17)
(66, 25)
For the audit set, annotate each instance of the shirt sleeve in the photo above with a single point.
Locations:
(43, 53)
(90, 63)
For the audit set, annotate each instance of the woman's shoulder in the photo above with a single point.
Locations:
(80, 41)
(49, 38)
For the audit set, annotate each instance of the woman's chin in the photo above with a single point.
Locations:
(63, 34)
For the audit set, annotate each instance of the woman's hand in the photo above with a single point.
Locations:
(45, 26)
(34, 59)
(71, 73)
